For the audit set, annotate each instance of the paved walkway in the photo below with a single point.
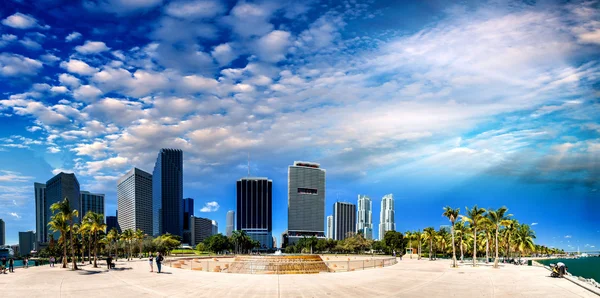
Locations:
(408, 278)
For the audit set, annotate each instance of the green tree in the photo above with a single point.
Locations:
(216, 243)
(94, 224)
(524, 239)
(69, 214)
(112, 237)
(166, 243)
(139, 236)
(474, 217)
(429, 235)
(394, 241)
(200, 247)
(128, 236)
(59, 224)
(452, 215)
(498, 218)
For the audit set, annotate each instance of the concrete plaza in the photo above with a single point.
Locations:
(408, 278)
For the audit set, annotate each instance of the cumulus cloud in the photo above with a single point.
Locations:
(568, 236)
(210, 207)
(273, 46)
(10, 176)
(78, 67)
(87, 93)
(92, 47)
(73, 36)
(194, 9)
(20, 21)
(224, 54)
(69, 80)
(95, 150)
(14, 65)
(121, 7)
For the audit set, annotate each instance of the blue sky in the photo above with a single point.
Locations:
(483, 102)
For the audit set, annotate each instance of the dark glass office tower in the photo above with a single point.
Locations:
(91, 202)
(188, 210)
(111, 222)
(167, 193)
(255, 209)
(58, 188)
(344, 220)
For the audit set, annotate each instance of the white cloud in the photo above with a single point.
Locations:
(95, 149)
(53, 149)
(78, 67)
(73, 36)
(87, 93)
(121, 7)
(248, 19)
(30, 44)
(49, 58)
(224, 54)
(210, 207)
(69, 80)
(16, 215)
(534, 224)
(92, 47)
(7, 39)
(20, 21)
(273, 46)
(568, 236)
(194, 9)
(33, 128)
(14, 65)
(113, 163)
(59, 89)
(10, 176)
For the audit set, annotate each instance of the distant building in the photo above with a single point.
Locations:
(167, 193)
(215, 227)
(364, 219)
(26, 242)
(91, 202)
(200, 229)
(111, 222)
(344, 220)
(2, 232)
(188, 210)
(330, 227)
(134, 201)
(274, 242)
(41, 229)
(229, 223)
(306, 201)
(58, 188)
(386, 217)
(255, 209)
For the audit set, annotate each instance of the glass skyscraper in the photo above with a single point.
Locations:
(26, 243)
(134, 201)
(364, 221)
(111, 222)
(386, 217)
(188, 210)
(41, 229)
(255, 209)
(91, 202)
(229, 223)
(344, 220)
(306, 201)
(58, 188)
(2, 232)
(200, 229)
(167, 193)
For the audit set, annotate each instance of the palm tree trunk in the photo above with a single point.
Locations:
(487, 249)
(453, 248)
(496, 258)
(73, 247)
(65, 251)
(90, 249)
(95, 249)
(474, 247)
(430, 249)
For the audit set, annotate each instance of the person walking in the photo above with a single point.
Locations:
(3, 265)
(159, 259)
(151, 261)
(25, 263)
(52, 259)
(11, 265)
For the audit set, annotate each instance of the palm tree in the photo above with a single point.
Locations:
(474, 217)
(112, 236)
(139, 236)
(59, 224)
(486, 231)
(127, 236)
(524, 239)
(417, 236)
(95, 223)
(510, 229)
(429, 234)
(461, 231)
(69, 214)
(452, 215)
(498, 218)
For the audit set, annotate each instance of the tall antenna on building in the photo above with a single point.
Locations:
(248, 163)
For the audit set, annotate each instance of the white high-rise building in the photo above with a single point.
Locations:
(134, 201)
(215, 227)
(229, 221)
(330, 227)
(364, 218)
(386, 217)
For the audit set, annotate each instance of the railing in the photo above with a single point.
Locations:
(230, 265)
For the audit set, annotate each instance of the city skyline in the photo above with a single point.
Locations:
(438, 102)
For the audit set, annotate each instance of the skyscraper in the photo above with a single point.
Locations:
(229, 223)
(134, 201)
(41, 229)
(255, 209)
(26, 242)
(2, 232)
(58, 188)
(364, 223)
(344, 220)
(306, 201)
(215, 227)
(330, 227)
(386, 217)
(91, 202)
(200, 229)
(167, 193)
(188, 210)
(111, 222)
